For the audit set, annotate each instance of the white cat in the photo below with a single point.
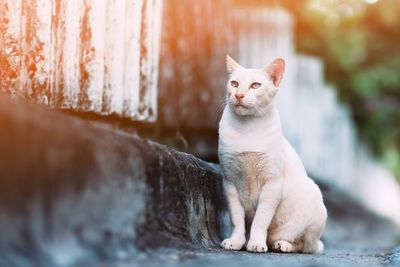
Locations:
(271, 199)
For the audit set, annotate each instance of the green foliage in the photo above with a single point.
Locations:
(359, 43)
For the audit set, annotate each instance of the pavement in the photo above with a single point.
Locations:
(331, 257)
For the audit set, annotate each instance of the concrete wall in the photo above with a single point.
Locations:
(74, 192)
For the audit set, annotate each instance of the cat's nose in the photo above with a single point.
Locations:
(239, 96)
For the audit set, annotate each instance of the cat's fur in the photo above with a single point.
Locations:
(271, 199)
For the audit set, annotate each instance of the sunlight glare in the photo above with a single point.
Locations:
(371, 1)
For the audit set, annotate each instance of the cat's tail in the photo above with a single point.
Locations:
(312, 242)
(313, 246)
(320, 246)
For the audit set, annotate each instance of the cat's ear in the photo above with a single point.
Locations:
(231, 64)
(276, 70)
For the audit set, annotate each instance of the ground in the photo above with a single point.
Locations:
(331, 257)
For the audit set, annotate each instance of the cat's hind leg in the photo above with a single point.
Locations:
(295, 239)
(285, 238)
(283, 246)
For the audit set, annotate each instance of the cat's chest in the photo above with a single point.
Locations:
(251, 157)
(268, 141)
(250, 169)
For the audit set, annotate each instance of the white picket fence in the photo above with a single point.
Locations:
(87, 55)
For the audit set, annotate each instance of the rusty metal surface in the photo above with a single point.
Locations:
(87, 55)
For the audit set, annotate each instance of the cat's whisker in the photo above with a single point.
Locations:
(260, 109)
(220, 108)
(257, 107)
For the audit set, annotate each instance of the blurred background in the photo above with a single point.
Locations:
(157, 68)
(339, 101)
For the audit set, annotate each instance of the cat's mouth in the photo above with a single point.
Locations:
(237, 105)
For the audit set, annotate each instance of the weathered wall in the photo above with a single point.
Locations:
(86, 55)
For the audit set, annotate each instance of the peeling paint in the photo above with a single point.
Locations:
(83, 54)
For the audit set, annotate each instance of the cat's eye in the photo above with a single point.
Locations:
(234, 84)
(255, 85)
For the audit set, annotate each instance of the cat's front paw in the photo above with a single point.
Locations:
(257, 246)
(233, 243)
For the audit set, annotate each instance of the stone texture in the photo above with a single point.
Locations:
(72, 191)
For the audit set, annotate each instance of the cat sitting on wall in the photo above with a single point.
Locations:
(272, 201)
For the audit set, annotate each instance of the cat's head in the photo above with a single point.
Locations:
(250, 92)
